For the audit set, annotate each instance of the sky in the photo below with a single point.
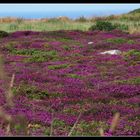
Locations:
(70, 10)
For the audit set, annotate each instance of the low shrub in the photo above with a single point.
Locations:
(107, 26)
(103, 26)
(3, 34)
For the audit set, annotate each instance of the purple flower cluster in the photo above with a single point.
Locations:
(23, 33)
(77, 79)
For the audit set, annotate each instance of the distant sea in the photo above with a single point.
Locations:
(70, 14)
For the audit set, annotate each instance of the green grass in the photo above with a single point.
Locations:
(50, 26)
(34, 54)
(44, 26)
(132, 57)
(133, 81)
(74, 76)
(131, 20)
(89, 128)
(30, 91)
(120, 41)
(58, 66)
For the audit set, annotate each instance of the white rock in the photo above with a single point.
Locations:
(89, 43)
(113, 52)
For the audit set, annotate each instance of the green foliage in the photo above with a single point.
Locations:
(28, 27)
(117, 40)
(57, 66)
(56, 94)
(24, 51)
(89, 129)
(41, 56)
(122, 27)
(13, 26)
(3, 34)
(30, 91)
(53, 24)
(103, 26)
(17, 127)
(131, 17)
(47, 132)
(107, 26)
(133, 52)
(135, 11)
(58, 123)
(70, 111)
(120, 41)
(66, 47)
(74, 76)
(64, 39)
(131, 42)
(132, 57)
(10, 46)
(134, 81)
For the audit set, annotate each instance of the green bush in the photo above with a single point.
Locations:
(3, 34)
(107, 26)
(103, 26)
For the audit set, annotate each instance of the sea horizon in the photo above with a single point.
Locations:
(31, 11)
(71, 14)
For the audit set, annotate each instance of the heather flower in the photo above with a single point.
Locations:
(89, 82)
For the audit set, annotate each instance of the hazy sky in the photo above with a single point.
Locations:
(94, 8)
(66, 7)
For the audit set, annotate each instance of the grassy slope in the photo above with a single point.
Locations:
(10, 25)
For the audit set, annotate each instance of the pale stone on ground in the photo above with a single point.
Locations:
(113, 52)
(89, 43)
